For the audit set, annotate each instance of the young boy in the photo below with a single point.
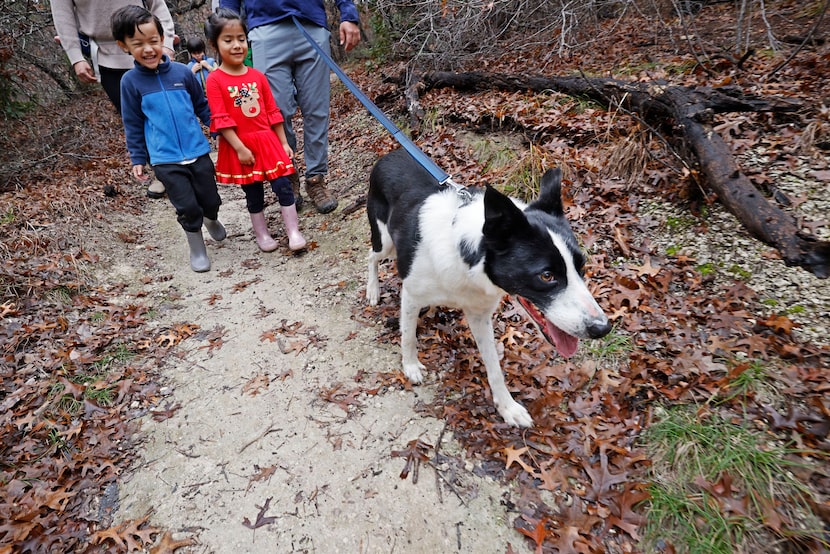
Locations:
(161, 105)
(199, 64)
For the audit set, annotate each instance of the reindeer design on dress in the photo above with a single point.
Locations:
(246, 98)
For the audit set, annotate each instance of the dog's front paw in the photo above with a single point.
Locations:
(413, 372)
(516, 414)
(373, 292)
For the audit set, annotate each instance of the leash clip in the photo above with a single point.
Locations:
(462, 192)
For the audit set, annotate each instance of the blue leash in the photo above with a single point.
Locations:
(440, 175)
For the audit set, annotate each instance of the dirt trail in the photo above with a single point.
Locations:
(252, 427)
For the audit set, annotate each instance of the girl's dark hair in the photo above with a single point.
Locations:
(126, 20)
(217, 21)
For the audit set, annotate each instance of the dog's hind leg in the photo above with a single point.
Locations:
(382, 248)
(372, 283)
(409, 346)
(511, 411)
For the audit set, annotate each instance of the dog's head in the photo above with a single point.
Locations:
(532, 253)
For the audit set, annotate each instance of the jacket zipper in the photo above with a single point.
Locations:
(172, 113)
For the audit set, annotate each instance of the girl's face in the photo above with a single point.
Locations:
(146, 45)
(232, 44)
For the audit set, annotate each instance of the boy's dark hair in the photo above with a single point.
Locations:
(217, 21)
(126, 20)
(195, 44)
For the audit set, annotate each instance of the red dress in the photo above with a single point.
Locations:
(245, 103)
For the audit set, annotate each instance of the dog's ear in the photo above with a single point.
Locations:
(502, 218)
(550, 195)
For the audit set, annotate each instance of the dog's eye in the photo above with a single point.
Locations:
(547, 277)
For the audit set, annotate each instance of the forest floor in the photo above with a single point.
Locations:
(273, 408)
(258, 407)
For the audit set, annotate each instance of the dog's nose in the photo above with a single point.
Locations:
(599, 329)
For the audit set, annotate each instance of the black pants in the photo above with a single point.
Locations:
(111, 81)
(191, 189)
(255, 194)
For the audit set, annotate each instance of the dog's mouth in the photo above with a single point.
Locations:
(565, 344)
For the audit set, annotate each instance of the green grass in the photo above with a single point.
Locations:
(611, 347)
(706, 269)
(119, 354)
(432, 121)
(60, 295)
(94, 382)
(794, 310)
(524, 178)
(55, 439)
(492, 155)
(753, 379)
(69, 404)
(8, 216)
(101, 396)
(739, 272)
(676, 223)
(686, 446)
(581, 104)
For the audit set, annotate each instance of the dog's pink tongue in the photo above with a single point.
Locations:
(566, 344)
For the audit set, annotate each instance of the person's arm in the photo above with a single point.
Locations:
(232, 4)
(349, 29)
(63, 17)
(222, 123)
(246, 157)
(133, 119)
(197, 97)
(279, 129)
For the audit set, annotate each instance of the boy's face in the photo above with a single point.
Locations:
(146, 45)
(198, 56)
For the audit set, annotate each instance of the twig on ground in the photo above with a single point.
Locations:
(270, 429)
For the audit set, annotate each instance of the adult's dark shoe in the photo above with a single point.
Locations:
(295, 186)
(155, 190)
(315, 186)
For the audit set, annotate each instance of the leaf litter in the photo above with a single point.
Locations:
(81, 360)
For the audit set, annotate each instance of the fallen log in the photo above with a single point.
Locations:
(689, 112)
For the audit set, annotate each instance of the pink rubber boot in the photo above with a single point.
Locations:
(264, 240)
(296, 241)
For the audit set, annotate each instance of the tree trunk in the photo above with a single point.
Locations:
(689, 110)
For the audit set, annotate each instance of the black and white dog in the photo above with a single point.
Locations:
(467, 253)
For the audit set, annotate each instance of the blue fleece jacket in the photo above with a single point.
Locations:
(264, 12)
(161, 110)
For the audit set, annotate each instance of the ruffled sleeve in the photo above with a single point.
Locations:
(221, 121)
(219, 116)
(275, 116)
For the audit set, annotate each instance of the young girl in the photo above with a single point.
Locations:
(252, 146)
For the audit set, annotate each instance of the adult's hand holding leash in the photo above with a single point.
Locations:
(349, 35)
